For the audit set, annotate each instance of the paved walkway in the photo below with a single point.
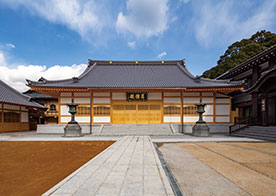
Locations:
(129, 167)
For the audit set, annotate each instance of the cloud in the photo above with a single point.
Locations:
(185, 1)
(144, 17)
(162, 54)
(15, 77)
(9, 45)
(225, 21)
(82, 16)
(131, 44)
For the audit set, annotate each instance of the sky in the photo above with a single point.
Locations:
(55, 38)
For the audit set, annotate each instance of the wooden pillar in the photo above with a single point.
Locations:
(255, 74)
(254, 108)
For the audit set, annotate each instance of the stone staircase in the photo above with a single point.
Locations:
(258, 132)
(163, 129)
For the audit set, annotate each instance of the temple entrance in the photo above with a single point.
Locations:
(137, 113)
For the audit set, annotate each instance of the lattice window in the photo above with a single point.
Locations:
(173, 109)
(155, 107)
(189, 109)
(118, 107)
(101, 110)
(83, 110)
(11, 116)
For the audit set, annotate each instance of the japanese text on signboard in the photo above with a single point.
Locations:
(137, 96)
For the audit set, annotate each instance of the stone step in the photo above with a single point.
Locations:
(254, 137)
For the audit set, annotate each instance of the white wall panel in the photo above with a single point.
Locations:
(83, 119)
(207, 94)
(65, 100)
(172, 100)
(208, 118)
(191, 100)
(66, 94)
(222, 119)
(65, 119)
(24, 117)
(172, 119)
(209, 110)
(154, 96)
(222, 101)
(220, 95)
(11, 107)
(101, 119)
(119, 96)
(101, 94)
(207, 100)
(101, 100)
(172, 93)
(82, 94)
(82, 100)
(64, 110)
(191, 94)
(190, 118)
(222, 109)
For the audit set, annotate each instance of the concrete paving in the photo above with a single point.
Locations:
(128, 167)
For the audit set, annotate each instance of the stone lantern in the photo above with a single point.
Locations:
(201, 129)
(72, 129)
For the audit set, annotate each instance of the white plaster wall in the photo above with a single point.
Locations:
(207, 94)
(64, 110)
(101, 100)
(190, 118)
(11, 107)
(208, 118)
(83, 119)
(172, 119)
(65, 100)
(220, 95)
(191, 100)
(222, 119)
(119, 96)
(222, 100)
(24, 117)
(65, 119)
(191, 94)
(222, 109)
(172, 93)
(209, 109)
(101, 94)
(101, 119)
(82, 100)
(172, 100)
(82, 94)
(154, 96)
(207, 100)
(66, 94)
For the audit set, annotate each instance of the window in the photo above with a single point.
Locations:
(83, 110)
(53, 107)
(172, 109)
(189, 109)
(11, 116)
(101, 110)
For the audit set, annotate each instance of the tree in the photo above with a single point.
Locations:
(240, 51)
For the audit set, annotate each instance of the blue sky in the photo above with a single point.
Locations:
(54, 38)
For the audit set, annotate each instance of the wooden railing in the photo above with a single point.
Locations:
(240, 123)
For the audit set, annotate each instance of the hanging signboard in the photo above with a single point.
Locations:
(137, 96)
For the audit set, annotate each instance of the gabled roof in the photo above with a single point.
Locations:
(37, 95)
(248, 64)
(133, 74)
(10, 95)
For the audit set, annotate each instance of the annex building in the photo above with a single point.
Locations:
(140, 92)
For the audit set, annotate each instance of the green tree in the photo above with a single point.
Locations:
(240, 51)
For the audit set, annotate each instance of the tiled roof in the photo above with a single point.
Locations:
(37, 95)
(131, 74)
(10, 95)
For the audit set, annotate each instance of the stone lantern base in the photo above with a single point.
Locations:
(201, 130)
(72, 130)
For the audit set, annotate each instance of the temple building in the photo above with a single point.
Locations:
(16, 110)
(257, 102)
(140, 92)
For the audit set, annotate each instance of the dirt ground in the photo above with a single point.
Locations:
(223, 168)
(31, 168)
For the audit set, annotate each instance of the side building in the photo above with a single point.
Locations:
(140, 92)
(16, 109)
(257, 102)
